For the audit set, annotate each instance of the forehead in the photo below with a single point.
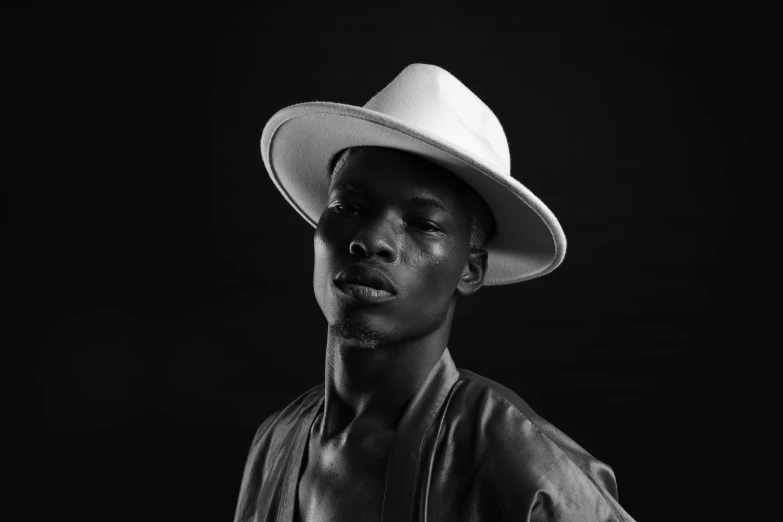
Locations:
(391, 171)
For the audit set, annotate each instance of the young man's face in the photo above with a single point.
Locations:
(400, 216)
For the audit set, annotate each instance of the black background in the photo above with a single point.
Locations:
(162, 299)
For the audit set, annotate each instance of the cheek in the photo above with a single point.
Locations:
(328, 239)
(432, 289)
(322, 253)
(439, 271)
(439, 253)
(330, 242)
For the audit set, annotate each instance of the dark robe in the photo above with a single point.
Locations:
(466, 449)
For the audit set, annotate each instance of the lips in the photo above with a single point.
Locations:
(371, 277)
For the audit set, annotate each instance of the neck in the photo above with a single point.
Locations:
(371, 386)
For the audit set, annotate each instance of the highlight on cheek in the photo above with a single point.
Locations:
(440, 251)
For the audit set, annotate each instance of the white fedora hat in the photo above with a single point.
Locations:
(426, 111)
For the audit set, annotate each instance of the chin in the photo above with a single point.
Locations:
(355, 332)
(359, 324)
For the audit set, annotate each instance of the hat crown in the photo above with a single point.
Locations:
(433, 100)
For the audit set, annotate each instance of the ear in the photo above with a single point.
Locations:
(472, 277)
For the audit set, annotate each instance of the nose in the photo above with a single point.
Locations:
(375, 237)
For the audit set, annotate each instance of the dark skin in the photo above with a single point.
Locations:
(379, 353)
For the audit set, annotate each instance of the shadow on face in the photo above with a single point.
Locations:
(404, 217)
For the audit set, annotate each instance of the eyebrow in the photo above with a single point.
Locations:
(348, 186)
(428, 203)
(422, 202)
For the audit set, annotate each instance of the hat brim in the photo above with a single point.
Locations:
(299, 143)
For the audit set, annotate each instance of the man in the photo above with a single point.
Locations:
(414, 206)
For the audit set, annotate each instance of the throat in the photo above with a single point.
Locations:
(343, 478)
(363, 438)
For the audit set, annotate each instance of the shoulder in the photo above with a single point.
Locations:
(280, 422)
(276, 428)
(527, 453)
(491, 397)
(265, 451)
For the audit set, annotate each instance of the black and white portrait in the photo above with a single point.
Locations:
(386, 262)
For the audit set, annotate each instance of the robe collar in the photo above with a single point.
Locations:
(406, 448)
(405, 453)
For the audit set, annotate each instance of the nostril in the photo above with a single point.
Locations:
(386, 254)
(357, 249)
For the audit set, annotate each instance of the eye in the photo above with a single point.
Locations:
(426, 226)
(342, 208)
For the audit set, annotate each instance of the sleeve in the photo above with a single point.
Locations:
(253, 475)
(542, 475)
(571, 495)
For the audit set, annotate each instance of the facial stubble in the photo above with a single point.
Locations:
(356, 333)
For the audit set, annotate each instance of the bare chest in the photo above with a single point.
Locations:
(343, 484)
